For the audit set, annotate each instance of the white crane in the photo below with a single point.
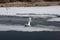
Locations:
(29, 22)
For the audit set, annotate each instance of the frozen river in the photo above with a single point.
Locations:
(18, 23)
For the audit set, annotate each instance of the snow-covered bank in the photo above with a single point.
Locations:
(38, 10)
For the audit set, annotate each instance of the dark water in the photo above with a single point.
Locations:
(14, 35)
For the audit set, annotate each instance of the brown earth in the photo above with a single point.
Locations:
(27, 4)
